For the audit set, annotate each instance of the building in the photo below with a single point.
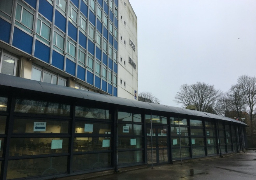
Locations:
(83, 44)
(49, 131)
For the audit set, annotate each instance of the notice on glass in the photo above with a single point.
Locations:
(88, 127)
(125, 129)
(193, 141)
(174, 141)
(39, 126)
(56, 144)
(106, 143)
(209, 141)
(133, 142)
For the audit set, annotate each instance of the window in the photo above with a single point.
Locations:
(90, 63)
(99, 12)
(71, 48)
(105, 20)
(104, 73)
(124, 23)
(24, 17)
(92, 4)
(115, 33)
(105, 45)
(110, 4)
(97, 68)
(61, 4)
(91, 32)
(110, 52)
(109, 76)
(114, 80)
(110, 28)
(72, 14)
(58, 41)
(115, 56)
(8, 64)
(43, 30)
(61, 81)
(98, 39)
(115, 12)
(49, 78)
(83, 23)
(6, 8)
(81, 59)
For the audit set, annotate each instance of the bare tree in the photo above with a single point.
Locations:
(201, 95)
(148, 97)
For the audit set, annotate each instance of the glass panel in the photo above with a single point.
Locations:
(176, 142)
(197, 132)
(222, 141)
(177, 154)
(156, 119)
(61, 82)
(87, 162)
(36, 167)
(97, 68)
(36, 74)
(130, 157)
(41, 107)
(84, 144)
(223, 149)
(3, 103)
(137, 129)
(92, 128)
(83, 24)
(210, 132)
(197, 141)
(54, 79)
(163, 155)
(221, 133)
(47, 78)
(179, 131)
(211, 150)
(92, 113)
(8, 65)
(149, 143)
(162, 142)
(1, 146)
(151, 157)
(2, 124)
(18, 12)
(178, 121)
(129, 143)
(210, 141)
(6, 6)
(45, 32)
(209, 124)
(27, 19)
(29, 126)
(196, 123)
(124, 116)
(37, 146)
(221, 127)
(198, 151)
(82, 57)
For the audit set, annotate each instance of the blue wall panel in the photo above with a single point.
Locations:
(110, 63)
(46, 9)
(90, 77)
(57, 60)
(92, 18)
(105, 33)
(99, 26)
(81, 73)
(116, 3)
(104, 85)
(98, 53)
(42, 51)
(116, 22)
(109, 88)
(60, 21)
(115, 67)
(105, 59)
(115, 91)
(105, 7)
(82, 40)
(22, 40)
(70, 67)
(91, 46)
(115, 45)
(111, 15)
(31, 3)
(84, 9)
(72, 31)
(97, 82)
(110, 40)
(76, 2)
(100, 2)
(5, 32)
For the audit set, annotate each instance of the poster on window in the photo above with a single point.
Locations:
(106, 143)
(88, 127)
(209, 141)
(193, 141)
(133, 142)
(56, 144)
(174, 141)
(125, 129)
(39, 126)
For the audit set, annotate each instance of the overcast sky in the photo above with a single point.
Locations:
(189, 41)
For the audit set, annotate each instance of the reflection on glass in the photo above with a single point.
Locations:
(196, 123)
(198, 151)
(136, 117)
(92, 113)
(28, 126)
(210, 141)
(36, 146)
(92, 128)
(1, 146)
(211, 150)
(179, 131)
(2, 124)
(184, 153)
(124, 116)
(85, 144)
(87, 162)
(41, 107)
(36, 167)
(129, 143)
(151, 157)
(156, 119)
(176, 142)
(128, 157)
(209, 124)
(178, 121)
(163, 155)
(3, 103)
(197, 132)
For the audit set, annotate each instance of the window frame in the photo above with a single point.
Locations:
(46, 23)
(2, 54)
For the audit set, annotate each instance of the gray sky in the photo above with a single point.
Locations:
(189, 41)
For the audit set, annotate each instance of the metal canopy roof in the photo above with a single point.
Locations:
(21, 83)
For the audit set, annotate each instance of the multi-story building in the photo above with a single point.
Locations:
(74, 43)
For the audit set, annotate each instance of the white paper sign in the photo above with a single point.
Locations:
(88, 127)
(209, 141)
(106, 143)
(125, 129)
(39, 126)
(174, 141)
(56, 144)
(133, 142)
(193, 141)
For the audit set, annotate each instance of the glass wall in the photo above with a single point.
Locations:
(130, 138)
(234, 137)
(210, 137)
(197, 138)
(221, 138)
(179, 138)
(3, 120)
(228, 137)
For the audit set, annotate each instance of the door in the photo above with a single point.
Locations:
(157, 147)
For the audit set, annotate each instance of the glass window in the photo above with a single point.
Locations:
(91, 31)
(178, 121)
(198, 151)
(197, 132)
(2, 122)
(110, 50)
(179, 142)
(105, 45)
(209, 124)
(114, 80)
(58, 42)
(115, 56)
(8, 65)
(47, 77)
(73, 14)
(110, 28)
(104, 73)
(41, 107)
(61, 81)
(85, 144)
(82, 127)
(92, 113)
(37, 167)
(36, 74)
(98, 39)
(43, 30)
(115, 12)
(129, 142)
(6, 8)
(99, 12)
(179, 131)
(129, 157)
(156, 119)
(40, 126)
(83, 23)
(183, 153)
(24, 17)
(210, 132)
(196, 123)
(211, 150)
(109, 76)
(62, 5)
(81, 58)
(197, 141)
(92, 4)
(1, 148)
(97, 69)
(71, 48)
(105, 20)
(110, 4)
(115, 33)
(90, 62)
(210, 142)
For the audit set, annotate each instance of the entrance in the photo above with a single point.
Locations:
(157, 151)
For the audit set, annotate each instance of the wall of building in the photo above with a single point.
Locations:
(128, 51)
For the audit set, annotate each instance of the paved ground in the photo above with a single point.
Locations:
(231, 167)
